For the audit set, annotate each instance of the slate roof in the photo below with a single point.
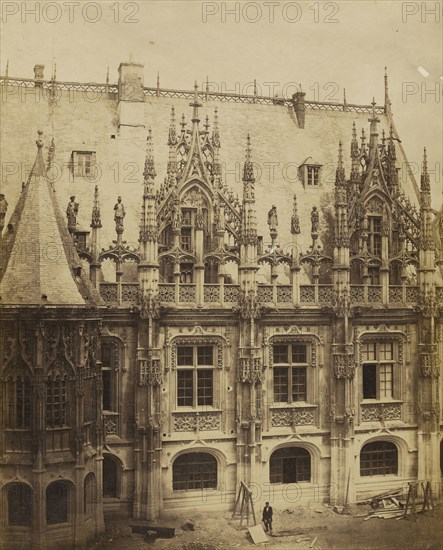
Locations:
(39, 262)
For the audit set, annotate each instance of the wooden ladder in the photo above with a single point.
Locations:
(411, 501)
(247, 505)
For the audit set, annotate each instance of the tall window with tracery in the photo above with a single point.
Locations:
(18, 400)
(56, 402)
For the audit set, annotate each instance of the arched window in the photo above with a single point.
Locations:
(57, 502)
(110, 477)
(89, 494)
(379, 458)
(19, 497)
(290, 465)
(18, 402)
(194, 471)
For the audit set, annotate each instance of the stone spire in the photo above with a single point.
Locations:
(149, 171)
(295, 220)
(374, 120)
(387, 100)
(249, 221)
(96, 221)
(148, 225)
(425, 186)
(340, 178)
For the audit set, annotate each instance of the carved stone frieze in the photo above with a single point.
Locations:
(149, 372)
(298, 416)
(344, 366)
(195, 421)
(250, 370)
(429, 365)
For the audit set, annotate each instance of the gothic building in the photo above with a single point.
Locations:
(294, 346)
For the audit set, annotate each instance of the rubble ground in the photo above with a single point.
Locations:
(316, 526)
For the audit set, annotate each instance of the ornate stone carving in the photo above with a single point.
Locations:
(195, 421)
(429, 365)
(296, 416)
(212, 293)
(291, 339)
(344, 366)
(307, 294)
(110, 423)
(379, 412)
(231, 293)
(249, 305)
(250, 370)
(187, 293)
(148, 304)
(197, 341)
(264, 293)
(149, 372)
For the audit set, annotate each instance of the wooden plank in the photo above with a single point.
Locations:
(257, 534)
(313, 542)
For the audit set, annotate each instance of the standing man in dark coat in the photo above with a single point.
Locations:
(267, 517)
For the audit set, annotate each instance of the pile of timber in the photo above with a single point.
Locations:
(389, 505)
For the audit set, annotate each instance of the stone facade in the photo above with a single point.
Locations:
(295, 348)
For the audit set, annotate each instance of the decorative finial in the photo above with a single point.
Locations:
(7, 68)
(195, 104)
(215, 130)
(96, 221)
(425, 186)
(344, 96)
(207, 124)
(183, 124)
(149, 171)
(54, 72)
(340, 178)
(107, 77)
(295, 220)
(207, 84)
(172, 137)
(248, 171)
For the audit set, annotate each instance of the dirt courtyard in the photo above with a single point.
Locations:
(217, 531)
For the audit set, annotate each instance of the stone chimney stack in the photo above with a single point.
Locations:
(131, 99)
(39, 74)
(298, 100)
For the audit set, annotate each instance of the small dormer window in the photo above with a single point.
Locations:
(83, 163)
(313, 175)
(310, 174)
